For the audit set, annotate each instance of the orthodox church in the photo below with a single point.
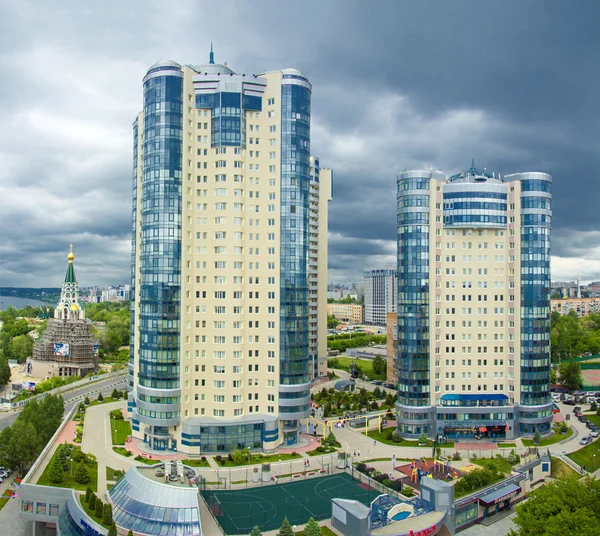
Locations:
(67, 346)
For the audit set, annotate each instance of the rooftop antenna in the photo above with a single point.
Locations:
(211, 58)
(472, 162)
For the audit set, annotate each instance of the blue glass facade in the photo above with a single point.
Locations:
(536, 220)
(413, 197)
(294, 364)
(133, 252)
(157, 397)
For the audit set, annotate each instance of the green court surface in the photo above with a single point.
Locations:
(238, 511)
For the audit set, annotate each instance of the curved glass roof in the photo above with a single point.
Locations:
(149, 507)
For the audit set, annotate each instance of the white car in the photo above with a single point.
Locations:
(595, 433)
(585, 440)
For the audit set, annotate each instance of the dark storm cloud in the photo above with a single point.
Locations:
(396, 85)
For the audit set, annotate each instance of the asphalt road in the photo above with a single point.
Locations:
(74, 397)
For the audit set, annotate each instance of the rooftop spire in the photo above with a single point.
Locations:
(70, 275)
(211, 59)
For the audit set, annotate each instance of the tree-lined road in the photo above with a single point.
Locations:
(75, 396)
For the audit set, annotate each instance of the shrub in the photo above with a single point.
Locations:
(115, 394)
(100, 397)
(86, 401)
(456, 456)
(537, 438)
(99, 508)
(475, 479)
(408, 492)
(390, 436)
(203, 458)
(513, 457)
(112, 531)
(387, 483)
(92, 502)
(361, 467)
(57, 473)
(380, 478)
(81, 406)
(422, 439)
(88, 493)
(396, 437)
(116, 414)
(107, 518)
(82, 475)
(218, 458)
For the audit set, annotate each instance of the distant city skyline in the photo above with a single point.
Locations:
(386, 100)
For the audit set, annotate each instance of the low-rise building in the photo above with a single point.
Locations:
(346, 312)
(582, 306)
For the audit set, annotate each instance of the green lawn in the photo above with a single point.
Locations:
(365, 365)
(561, 470)
(382, 438)
(120, 431)
(458, 494)
(549, 440)
(507, 445)
(196, 462)
(122, 451)
(584, 457)
(146, 461)
(69, 481)
(3, 502)
(105, 401)
(329, 450)
(110, 474)
(259, 458)
(499, 463)
(592, 417)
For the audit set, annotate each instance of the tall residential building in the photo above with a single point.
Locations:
(221, 331)
(474, 309)
(321, 185)
(381, 294)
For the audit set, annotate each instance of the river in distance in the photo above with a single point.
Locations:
(19, 303)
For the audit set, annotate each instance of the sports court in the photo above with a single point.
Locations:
(238, 511)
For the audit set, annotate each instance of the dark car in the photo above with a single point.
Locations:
(576, 409)
(589, 424)
(563, 396)
(389, 385)
(570, 402)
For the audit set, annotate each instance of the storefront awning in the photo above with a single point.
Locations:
(499, 495)
(483, 429)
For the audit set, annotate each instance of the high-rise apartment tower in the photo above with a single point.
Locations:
(473, 304)
(222, 318)
(381, 294)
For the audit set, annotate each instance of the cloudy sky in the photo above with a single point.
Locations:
(396, 84)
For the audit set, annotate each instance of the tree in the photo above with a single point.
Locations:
(331, 322)
(422, 439)
(57, 473)
(312, 528)
(86, 401)
(82, 475)
(112, 531)
(537, 438)
(130, 533)
(99, 508)
(4, 371)
(88, 493)
(379, 365)
(553, 375)
(21, 348)
(19, 445)
(92, 502)
(115, 394)
(286, 529)
(569, 373)
(255, 531)
(240, 456)
(107, 517)
(560, 507)
(100, 397)
(331, 440)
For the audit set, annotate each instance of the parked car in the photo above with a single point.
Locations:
(582, 419)
(586, 440)
(389, 385)
(595, 432)
(576, 409)
(570, 402)
(563, 396)
(589, 424)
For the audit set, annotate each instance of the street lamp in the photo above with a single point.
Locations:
(594, 463)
